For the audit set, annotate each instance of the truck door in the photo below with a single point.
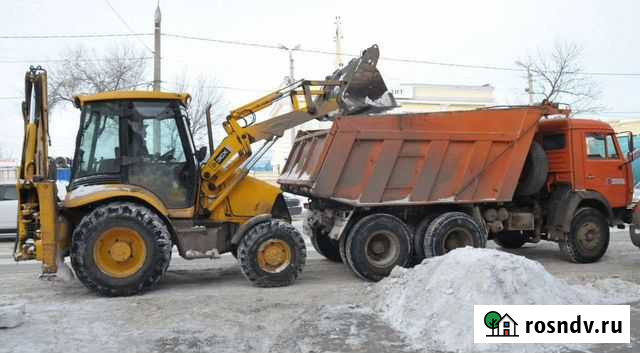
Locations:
(602, 168)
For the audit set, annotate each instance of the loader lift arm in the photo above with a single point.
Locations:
(352, 89)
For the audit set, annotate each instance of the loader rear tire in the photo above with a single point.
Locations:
(120, 249)
(452, 230)
(376, 244)
(588, 238)
(272, 254)
(325, 246)
(535, 171)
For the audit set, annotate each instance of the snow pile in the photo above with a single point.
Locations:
(432, 304)
(11, 315)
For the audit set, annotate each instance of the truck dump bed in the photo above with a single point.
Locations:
(423, 158)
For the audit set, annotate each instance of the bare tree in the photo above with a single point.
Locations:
(86, 71)
(203, 92)
(558, 77)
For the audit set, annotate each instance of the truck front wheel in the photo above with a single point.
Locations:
(272, 254)
(376, 244)
(452, 230)
(588, 238)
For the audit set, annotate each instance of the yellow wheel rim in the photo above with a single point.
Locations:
(119, 252)
(274, 255)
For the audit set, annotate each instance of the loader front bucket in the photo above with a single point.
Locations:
(364, 90)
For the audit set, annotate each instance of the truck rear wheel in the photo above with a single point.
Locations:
(272, 254)
(510, 239)
(588, 238)
(452, 230)
(120, 249)
(535, 171)
(325, 246)
(418, 238)
(376, 244)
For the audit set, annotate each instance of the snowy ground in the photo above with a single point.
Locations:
(207, 306)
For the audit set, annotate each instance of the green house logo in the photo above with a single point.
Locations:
(500, 325)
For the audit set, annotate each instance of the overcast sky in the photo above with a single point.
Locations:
(486, 32)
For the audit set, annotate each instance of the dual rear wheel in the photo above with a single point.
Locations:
(376, 243)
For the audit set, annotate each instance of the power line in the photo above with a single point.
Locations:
(223, 87)
(27, 61)
(386, 58)
(74, 36)
(305, 50)
(126, 24)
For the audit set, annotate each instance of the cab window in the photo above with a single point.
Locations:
(600, 146)
(595, 147)
(611, 148)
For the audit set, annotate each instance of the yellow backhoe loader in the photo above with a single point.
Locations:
(139, 186)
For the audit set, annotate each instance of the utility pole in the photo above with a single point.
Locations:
(529, 88)
(156, 49)
(338, 39)
(291, 77)
(157, 19)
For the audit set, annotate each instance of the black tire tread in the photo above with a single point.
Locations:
(326, 247)
(534, 172)
(506, 240)
(438, 222)
(148, 218)
(247, 261)
(370, 275)
(569, 249)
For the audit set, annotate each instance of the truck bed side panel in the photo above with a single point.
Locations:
(473, 156)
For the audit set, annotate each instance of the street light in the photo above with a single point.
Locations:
(290, 50)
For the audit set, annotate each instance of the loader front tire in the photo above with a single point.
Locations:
(272, 254)
(120, 249)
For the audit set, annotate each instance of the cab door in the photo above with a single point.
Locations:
(604, 168)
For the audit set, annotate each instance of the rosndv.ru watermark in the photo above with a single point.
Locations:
(552, 323)
(576, 326)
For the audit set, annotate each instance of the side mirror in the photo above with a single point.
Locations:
(201, 154)
(631, 144)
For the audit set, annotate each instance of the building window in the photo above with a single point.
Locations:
(506, 324)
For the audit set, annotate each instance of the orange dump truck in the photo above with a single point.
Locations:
(390, 190)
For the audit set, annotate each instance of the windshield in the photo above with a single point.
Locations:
(98, 148)
(149, 129)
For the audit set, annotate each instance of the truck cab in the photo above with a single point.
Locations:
(585, 154)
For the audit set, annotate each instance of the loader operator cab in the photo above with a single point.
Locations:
(141, 141)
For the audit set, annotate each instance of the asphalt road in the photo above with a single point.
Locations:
(207, 306)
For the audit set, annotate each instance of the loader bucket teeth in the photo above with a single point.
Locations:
(364, 90)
